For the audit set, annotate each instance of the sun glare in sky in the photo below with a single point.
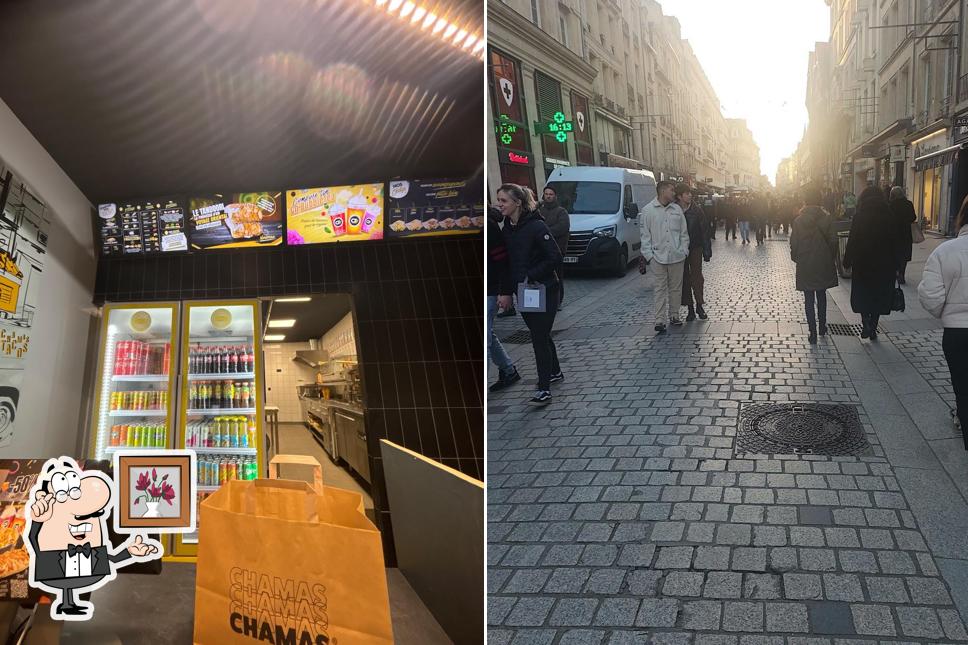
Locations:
(754, 53)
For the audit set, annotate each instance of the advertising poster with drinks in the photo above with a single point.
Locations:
(235, 220)
(17, 476)
(335, 214)
(142, 226)
(435, 207)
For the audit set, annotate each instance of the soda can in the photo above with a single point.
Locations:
(232, 470)
(223, 472)
(122, 435)
(134, 436)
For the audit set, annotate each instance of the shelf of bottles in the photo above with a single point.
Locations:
(220, 399)
(135, 391)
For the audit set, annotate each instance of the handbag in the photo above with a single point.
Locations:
(532, 298)
(917, 235)
(898, 304)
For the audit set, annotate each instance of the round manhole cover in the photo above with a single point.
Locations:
(805, 428)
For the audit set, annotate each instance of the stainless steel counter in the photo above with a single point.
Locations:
(339, 426)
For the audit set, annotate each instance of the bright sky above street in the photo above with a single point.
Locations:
(755, 55)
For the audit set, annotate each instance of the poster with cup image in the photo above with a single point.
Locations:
(418, 208)
(234, 220)
(138, 226)
(334, 214)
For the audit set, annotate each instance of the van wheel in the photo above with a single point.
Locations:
(623, 263)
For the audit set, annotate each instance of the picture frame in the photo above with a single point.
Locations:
(156, 491)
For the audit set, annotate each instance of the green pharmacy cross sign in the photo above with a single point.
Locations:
(557, 126)
(505, 129)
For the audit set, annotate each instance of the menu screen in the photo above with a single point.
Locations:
(335, 214)
(435, 207)
(142, 226)
(235, 220)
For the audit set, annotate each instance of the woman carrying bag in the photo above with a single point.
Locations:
(872, 251)
(813, 247)
(904, 220)
(943, 292)
(533, 258)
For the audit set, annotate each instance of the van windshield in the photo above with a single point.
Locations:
(588, 197)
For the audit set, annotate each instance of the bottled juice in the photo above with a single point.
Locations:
(253, 439)
(228, 394)
(243, 432)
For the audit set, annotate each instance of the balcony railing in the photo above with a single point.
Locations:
(963, 88)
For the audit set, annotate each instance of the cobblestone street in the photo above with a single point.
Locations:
(626, 511)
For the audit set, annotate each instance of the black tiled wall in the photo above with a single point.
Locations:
(419, 314)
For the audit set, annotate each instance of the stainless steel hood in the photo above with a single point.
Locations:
(311, 357)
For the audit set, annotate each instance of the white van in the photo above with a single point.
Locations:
(604, 205)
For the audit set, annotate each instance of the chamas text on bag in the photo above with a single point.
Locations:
(281, 611)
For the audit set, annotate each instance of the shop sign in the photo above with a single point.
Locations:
(961, 121)
(898, 153)
(557, 162)
(519, 159)
(334, 214)
(419, 208)
(558, 127)
(931, 145)
(505, 130)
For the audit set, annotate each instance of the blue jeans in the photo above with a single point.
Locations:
(744, 231)
(495, 349)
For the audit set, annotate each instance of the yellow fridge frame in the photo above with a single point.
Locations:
(188, 552)
(172, 365)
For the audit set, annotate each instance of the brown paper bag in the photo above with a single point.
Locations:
(286, 563)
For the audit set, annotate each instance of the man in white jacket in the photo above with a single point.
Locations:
(943, 292)
(665, 239)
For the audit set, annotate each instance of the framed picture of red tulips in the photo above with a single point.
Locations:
(156, 490)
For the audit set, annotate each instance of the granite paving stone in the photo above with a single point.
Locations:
(623, 513)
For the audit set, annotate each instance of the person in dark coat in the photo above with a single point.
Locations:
(699, 249)
(559, 223)
(813, 247)
(533, 257)
(497, 269)
(872, 255)
(904, 216)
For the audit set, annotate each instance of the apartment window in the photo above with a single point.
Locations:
(535, 14)
(564, 30)
(926, 75)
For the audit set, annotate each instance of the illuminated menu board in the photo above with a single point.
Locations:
(435, 207)
(334, 214)
(235, 220)
(142, 226)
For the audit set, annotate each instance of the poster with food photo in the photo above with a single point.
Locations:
(235, 220)
(152, 225)
(17, 476)
(435, 207)
(334, 214)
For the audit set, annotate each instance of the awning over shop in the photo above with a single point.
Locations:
(936, 159)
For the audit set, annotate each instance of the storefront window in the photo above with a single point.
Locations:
(510, 124)
(584, 151)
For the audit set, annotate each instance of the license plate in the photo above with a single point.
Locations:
(571, 259)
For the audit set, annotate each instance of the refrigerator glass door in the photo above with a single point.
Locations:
(135, 386)
(221, 396)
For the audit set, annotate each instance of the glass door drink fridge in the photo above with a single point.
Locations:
(221, 398)
(135, 387)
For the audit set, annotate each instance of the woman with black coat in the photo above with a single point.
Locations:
(533, 257)
(813, 247)
(904, 216)
(872, 255)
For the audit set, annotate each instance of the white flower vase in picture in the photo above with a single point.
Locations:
(152, 510)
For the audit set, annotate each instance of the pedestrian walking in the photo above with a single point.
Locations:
(533, 257)
(497, 271)
(872, 255)
(943, 292)
(729, 218)
(699, 246)
(744, 216)
(665, 239)
(759, 219)
(559, 223)
(904, 216)
(813, 247)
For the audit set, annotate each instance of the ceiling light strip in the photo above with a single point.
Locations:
(422, 17)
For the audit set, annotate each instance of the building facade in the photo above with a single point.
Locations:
(621, 73)
(744, 157)
(886, 96)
